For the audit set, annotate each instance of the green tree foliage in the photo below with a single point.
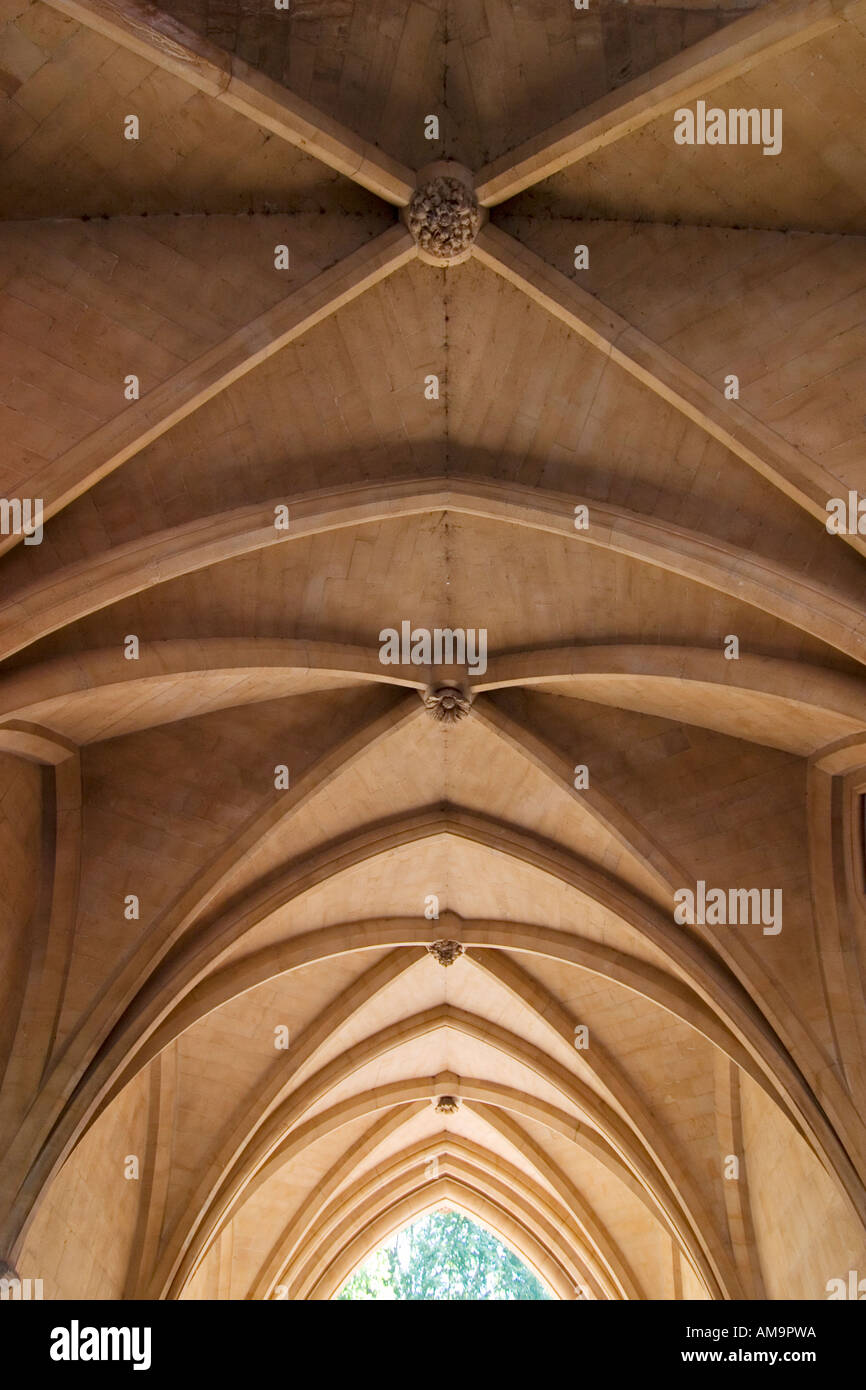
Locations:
(444, 1256)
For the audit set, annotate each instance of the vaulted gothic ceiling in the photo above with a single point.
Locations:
(262, 909)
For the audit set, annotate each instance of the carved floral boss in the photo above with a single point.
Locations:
(443, 214)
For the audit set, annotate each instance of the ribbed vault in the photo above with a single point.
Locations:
(288, 961)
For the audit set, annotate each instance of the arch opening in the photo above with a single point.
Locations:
(444, 1256)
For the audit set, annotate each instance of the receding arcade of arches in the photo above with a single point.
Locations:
(298, 943)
